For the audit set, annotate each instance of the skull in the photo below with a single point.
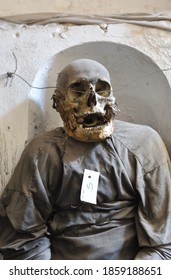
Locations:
(85, 100)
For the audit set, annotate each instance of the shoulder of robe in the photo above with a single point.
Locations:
(143, 142)
(47, 141)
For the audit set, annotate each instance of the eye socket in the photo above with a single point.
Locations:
(103, 88)
(76, 90)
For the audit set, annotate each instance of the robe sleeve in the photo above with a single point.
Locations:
(26, 204)
(153, 220)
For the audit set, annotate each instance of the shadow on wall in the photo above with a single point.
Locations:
(12, 141)
(141, 89)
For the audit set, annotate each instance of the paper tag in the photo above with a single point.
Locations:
(89, 186)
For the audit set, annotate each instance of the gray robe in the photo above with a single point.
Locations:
(42, 216)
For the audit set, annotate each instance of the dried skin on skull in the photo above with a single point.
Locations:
(85, 100)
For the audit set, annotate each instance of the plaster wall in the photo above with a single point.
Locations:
(87, 7)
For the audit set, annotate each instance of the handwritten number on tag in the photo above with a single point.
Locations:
(90, 186)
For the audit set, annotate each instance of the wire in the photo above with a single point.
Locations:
(12, 74)
(30, 84)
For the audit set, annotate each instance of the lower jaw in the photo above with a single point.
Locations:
(92, 134)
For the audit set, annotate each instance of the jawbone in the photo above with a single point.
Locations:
(91, 134)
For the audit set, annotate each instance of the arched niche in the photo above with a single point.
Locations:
(141, 89)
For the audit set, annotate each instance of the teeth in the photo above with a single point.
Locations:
(92, 120)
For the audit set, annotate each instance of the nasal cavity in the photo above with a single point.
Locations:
(91, 100)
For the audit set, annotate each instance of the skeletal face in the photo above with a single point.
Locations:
(85, 100)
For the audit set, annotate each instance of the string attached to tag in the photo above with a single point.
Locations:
(89, 186)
